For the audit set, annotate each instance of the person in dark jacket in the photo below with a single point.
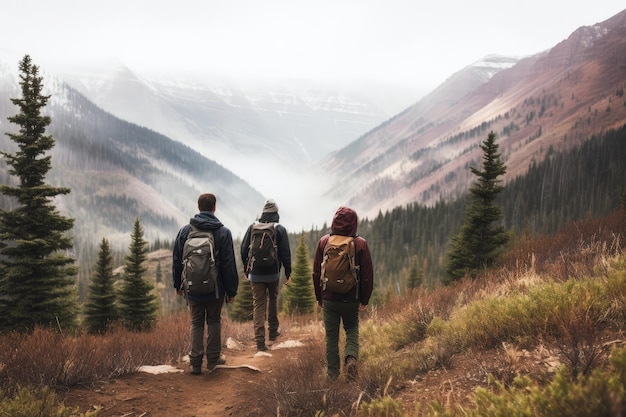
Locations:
(207, 308)
(265, 281)
(338, 308)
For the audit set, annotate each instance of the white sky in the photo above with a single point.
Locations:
(400, 40)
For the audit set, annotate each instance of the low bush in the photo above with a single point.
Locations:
(38, 402)
(46, 357)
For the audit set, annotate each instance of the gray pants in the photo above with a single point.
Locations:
(265, 303)
(208, 312)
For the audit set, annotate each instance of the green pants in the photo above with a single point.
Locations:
(334, 314)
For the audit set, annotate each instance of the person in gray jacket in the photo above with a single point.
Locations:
(207, 308)
(265, 279)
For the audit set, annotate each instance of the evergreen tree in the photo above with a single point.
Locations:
(243, 308)
(299, 295)
(159, 273)
(416, 274)
(137, 303)
(100, 310)
(36, 275)
(480, 239)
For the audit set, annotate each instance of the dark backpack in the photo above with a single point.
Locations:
(262, 251)
(340, 273)
(199, 275)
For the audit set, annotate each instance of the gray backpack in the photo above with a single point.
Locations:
(262, 252)
(199, 275)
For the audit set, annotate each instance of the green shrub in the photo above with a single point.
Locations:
(381, 407)
(41, 402)
(600, 394)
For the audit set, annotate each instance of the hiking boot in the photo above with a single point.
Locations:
(196, 370)
(261, 347)
(220, 361)
(274, 336)
(351, 369)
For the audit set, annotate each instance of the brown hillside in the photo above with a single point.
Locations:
(553, 100)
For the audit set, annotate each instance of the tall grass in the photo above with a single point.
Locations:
(46, 357)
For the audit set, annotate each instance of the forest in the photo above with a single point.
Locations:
(586, 181)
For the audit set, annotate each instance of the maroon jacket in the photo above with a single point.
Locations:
(345, 224)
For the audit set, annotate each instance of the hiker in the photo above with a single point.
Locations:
(264, 249)
(206, 307)
(341, 303)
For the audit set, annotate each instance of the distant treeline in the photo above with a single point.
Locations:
(587, 181)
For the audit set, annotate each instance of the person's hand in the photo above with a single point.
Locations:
(362, 307)
(180, 292)
(287, 281)
(319, 304)
(230, 299)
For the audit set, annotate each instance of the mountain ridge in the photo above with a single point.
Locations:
(118, 171)
(537, 105)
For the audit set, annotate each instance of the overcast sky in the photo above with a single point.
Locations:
(401, 40)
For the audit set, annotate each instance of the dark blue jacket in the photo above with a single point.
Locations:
(228, 279)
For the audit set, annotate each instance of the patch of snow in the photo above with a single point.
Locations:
(159, 369)
(288, 344)
(233, 344)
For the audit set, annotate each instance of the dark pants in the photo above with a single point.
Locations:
(209, 312)
(265, 303)
(334, 314)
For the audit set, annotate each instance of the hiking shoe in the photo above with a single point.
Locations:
(274, 336)
(196, 370)
(220, 361)
(351, 370)
(261, 347)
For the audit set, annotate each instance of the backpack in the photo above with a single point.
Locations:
(262, 252)
(199, 274)
(339, 269)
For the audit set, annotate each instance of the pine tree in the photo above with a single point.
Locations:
(416, 274)
(137, 303)
(480, 239)
(243, 308)
(36, 276)
(159, 273)
(299, 296)
(100, 309)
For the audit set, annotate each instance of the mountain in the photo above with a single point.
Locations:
(290, 122)
(118, 171)
(244, 141)
(544, 103)
(279, 128)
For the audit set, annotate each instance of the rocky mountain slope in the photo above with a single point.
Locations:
(545, 103)
(118, 171)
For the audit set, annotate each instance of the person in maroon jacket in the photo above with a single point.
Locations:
(337, 307)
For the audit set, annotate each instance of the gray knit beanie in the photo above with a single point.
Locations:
(270, 206)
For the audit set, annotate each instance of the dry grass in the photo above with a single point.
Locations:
(46, 357)
(550, 299)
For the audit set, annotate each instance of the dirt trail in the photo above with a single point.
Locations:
(181, 394)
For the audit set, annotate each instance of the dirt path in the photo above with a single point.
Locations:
(181, 394)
